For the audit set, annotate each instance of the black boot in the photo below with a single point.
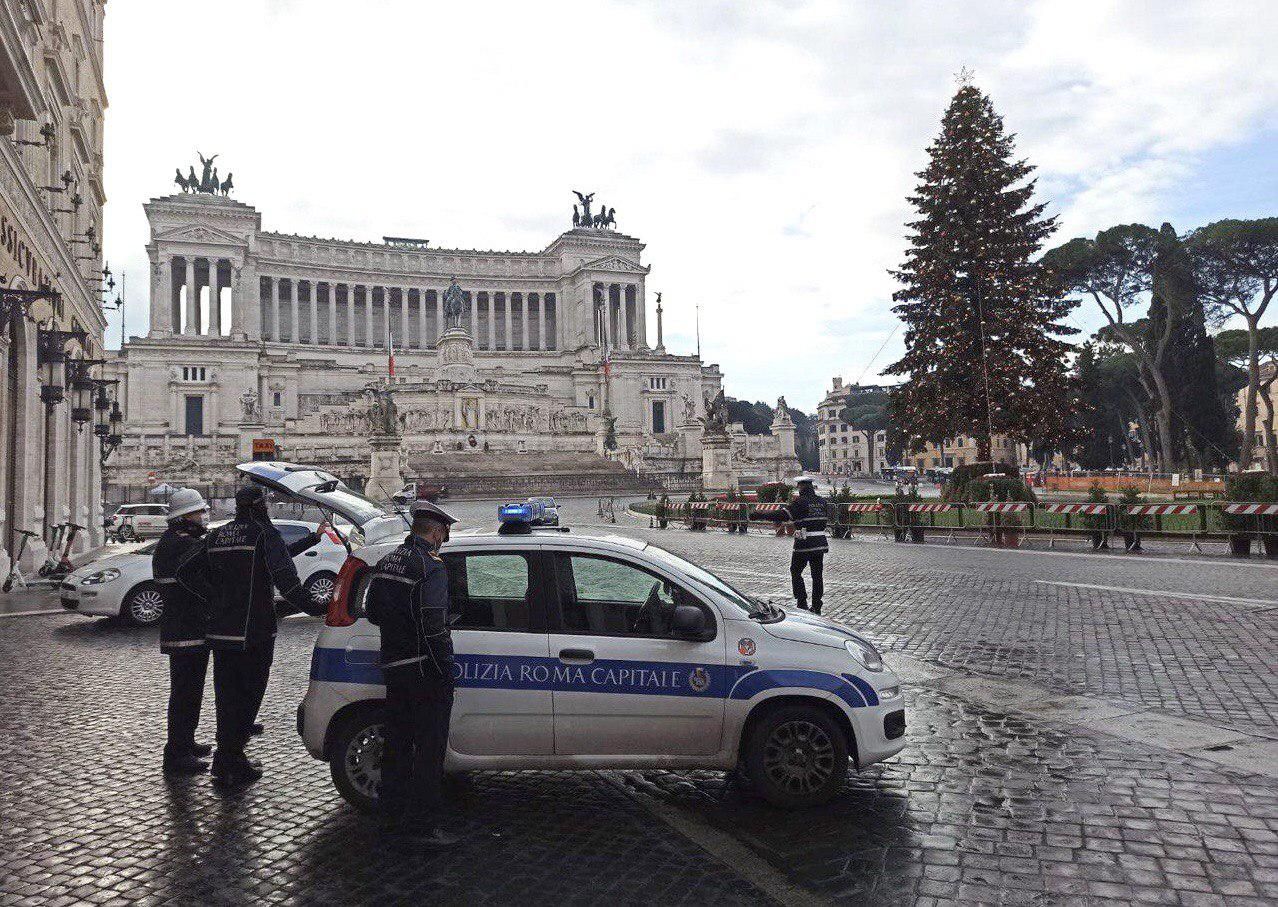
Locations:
(816, 608)
(257, 729)
(183, 764)
(235, 771)
(201, 750)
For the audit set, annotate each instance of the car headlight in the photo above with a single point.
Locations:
(865, 653)
(102, 576)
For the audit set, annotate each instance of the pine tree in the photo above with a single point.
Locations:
(983, 343)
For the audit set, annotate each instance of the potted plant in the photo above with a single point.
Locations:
(1255, 487)
(1129, 527)
(1097, 523)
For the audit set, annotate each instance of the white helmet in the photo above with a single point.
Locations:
(804, 480)
(185, 501)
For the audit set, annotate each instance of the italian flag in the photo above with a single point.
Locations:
(390, 349)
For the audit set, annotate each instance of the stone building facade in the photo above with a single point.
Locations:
(52, 99)
(276, 338)
(844, 451)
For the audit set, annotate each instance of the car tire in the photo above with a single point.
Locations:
(143, 606)
(796, 756)
(355, 757)
(320, 585)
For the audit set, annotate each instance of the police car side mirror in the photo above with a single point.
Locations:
(688, 622)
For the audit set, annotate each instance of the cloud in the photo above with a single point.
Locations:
(763, 151)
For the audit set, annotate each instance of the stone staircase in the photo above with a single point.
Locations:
(479, 474)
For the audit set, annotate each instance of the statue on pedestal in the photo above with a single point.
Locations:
(454, 305)
(382, 412)
(716, 417)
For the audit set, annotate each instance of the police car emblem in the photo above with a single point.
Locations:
(746, 646)
(699, 680)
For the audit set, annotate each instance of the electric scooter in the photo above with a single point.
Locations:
(59, 563)
(15, 576)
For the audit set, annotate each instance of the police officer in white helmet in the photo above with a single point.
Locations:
(182, 627)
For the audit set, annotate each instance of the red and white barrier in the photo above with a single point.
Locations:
(700, 505)
(1073, 508)
(768, 508)
(863, 508)
(1001, 506)
(929, 508)
(1160, 509)
(1252, 509)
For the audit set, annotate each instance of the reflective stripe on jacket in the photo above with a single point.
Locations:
(184, 620)
(810, 514)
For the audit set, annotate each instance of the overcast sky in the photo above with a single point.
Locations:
(763, 150)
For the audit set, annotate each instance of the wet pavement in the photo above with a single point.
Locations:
(984, 805)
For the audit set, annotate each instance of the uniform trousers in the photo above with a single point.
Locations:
(418, 710)
(815, 561)
(187, 669)
(239, 682)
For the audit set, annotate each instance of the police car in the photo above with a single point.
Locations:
(591, 652)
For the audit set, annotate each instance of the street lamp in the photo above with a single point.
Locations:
(82, 386)
(51, 355)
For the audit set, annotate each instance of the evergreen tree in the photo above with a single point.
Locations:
(1204, 433)
(983, 343)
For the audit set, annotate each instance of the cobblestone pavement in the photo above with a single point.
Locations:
(981, 806)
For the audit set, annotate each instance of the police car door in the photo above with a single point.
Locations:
(498, 619)
(623, 683)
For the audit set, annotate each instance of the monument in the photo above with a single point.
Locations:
(385, 474)
(717, 474)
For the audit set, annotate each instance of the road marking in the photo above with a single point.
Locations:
(1162, 593)
(739, 858)
(31, 613)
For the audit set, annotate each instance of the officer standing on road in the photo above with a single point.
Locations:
(809, 513)
(244, 562)
(182, 628)
(408, 601)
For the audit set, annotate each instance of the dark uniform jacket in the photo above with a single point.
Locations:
(184, 620)
(242, 563)
(809, 513)
(408, 601)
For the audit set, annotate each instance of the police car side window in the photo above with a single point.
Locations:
(291, 533)
(613, 598)
(489, 591)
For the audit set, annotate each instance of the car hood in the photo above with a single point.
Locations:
(118, 561)
(800, 626)
(323, 489)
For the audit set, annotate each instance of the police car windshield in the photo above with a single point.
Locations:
(706, 578)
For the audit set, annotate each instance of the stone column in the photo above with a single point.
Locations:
(215, 304)
(312, 335)
(274, 284)
(368, 316)
(492, 320)
(350, 315)
(162, 296)
(192, 300)
(248, 301)
(421, 320)
(523, 321)
(641, 317)
(607, 316)
(293, 321)
(624, 330)
(474, 313)
(541, 322)
(332, 314)
(233, 285)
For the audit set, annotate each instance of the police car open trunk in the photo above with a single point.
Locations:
(328, 492)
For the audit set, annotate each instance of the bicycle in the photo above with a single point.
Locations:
(15, 572)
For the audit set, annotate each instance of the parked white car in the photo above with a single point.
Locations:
(122, 584)
(576, 651)
(138, 521)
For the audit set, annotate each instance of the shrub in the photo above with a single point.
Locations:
(1251, 488)
(1129, 496)
(774, 493)
(956, 488)
(1096, 495)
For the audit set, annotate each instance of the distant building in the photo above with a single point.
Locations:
(841, 449)
(52, 100)
(1258, 449)
(961, 451)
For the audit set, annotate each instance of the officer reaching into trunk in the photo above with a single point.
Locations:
(182, 627)
(408, 601)
(243, 563)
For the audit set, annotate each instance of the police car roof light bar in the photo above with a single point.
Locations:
(518, 519)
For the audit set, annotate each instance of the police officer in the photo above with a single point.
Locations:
(244, 562)
(182, 628)
(808, 512)
(408, 600)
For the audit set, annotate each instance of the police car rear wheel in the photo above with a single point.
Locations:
(356, 759)
(797, 756)
(143, 606)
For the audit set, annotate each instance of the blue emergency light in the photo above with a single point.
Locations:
(519, 517)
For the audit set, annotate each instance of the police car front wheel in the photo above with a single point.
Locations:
(797, 755)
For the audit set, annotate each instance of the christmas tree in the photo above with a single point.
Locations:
(983, 345)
